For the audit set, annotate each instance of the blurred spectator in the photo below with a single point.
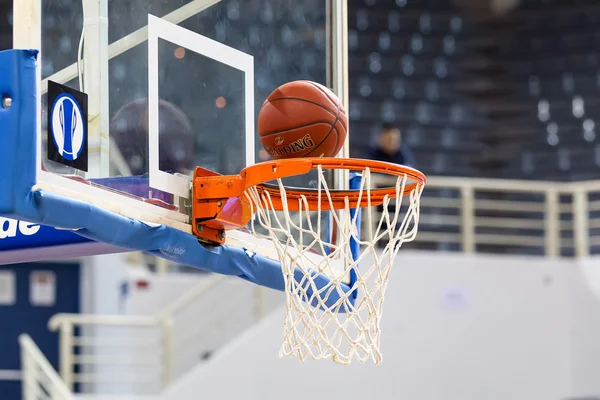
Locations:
(389, 147)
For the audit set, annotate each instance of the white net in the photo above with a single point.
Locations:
(334, 295)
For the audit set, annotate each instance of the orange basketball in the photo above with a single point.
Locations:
(302, 119)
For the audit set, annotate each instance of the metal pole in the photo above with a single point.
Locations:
(66, 355)
(580, 220)
(260, 302)
(96, 84)
(552, 225)
(27, 34)
(167, 324)
(468, 219)
(339, 72)
(29, 383)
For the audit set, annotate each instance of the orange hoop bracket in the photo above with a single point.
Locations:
(219, 205)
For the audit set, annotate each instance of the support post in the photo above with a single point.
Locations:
(27, 24)
(27, 34)
(167, 332)
(66, 354)
(580, 223)
(468, 219)
(96, 85)
(552, 225)
(338, 70)
(30, 388)
(260, 302)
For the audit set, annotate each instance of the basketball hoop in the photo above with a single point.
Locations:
(334, 295)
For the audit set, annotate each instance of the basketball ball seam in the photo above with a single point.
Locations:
(292, 128)
(337, 134)
(334, 126)
(320, 106)
(306, 101)
(335, 101)
(324, 139)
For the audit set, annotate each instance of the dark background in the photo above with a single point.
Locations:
(511, 95)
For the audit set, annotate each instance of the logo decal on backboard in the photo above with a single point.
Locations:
(67, 126)
(10, 228)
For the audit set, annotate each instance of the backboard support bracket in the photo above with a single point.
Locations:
(96, 85)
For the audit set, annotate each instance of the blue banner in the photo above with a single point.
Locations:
(17, 235)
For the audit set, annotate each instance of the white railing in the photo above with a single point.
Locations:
(553, 219)
(144, 354)
(39, 379)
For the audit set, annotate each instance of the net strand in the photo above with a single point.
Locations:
(334, 302)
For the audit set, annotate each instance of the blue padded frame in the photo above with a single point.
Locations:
(17, 200)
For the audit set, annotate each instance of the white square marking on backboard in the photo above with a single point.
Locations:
(161, 29)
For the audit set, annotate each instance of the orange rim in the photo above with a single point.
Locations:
(220, 202)
(257, 175)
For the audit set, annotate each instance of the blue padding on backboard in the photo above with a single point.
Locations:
(18, 133)
(101, 225)
(17, 152)
(14, 237)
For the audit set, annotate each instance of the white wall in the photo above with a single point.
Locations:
(116, 397)
(101, 277)
(160, 291)
(454, 327)
(584, 307)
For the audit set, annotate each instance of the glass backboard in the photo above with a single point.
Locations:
(171, 85)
